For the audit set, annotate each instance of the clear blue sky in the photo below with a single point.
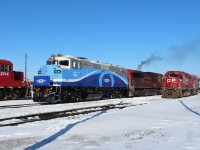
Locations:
(121, 32)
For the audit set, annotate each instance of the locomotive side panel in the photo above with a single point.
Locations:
(144, 83)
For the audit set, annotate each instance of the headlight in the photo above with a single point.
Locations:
(57, 71)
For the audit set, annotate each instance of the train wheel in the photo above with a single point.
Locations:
(51, 99)
(112, 95)
(180, 93)
(175, 94)
(84, 96)
(14, 95)
(121, 95)
(2, 95)
(164, 94)
(139, 94)
(189, 92)
(35, 98)
(184, 93)
(79, 99)
(193, 92)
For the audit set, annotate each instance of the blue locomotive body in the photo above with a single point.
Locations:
(86, 77)
(65, 78)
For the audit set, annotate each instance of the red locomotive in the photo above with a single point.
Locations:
(12, 84)
(144, 83)
(177, 84)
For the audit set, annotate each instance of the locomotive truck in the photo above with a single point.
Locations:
(12, 84)
(68, 78)
(177, 84)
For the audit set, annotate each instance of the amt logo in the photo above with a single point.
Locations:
(40, 81)
(106, 80)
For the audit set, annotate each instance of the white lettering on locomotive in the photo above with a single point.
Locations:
(4, 74)
(168, 80)
(171, 80)
(75, 73)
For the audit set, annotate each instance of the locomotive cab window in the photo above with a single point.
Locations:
(76, 65)
(6, 68)
(2, 68)
(10, 68)
(176, 75)
(64, 62)
(52, 62)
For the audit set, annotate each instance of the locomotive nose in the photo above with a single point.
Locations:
(43, 70)
(171, 83)
(50, 70)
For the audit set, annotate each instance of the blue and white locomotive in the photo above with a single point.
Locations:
(68, 78)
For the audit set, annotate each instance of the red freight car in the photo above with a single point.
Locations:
(177, 84)
(12, 84)
(144, 83)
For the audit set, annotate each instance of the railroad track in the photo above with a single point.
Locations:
(13, 121)
(19, 106)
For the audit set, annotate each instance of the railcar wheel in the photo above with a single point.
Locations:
(51, 99)
(139, 94)
(121, 95)
(175, 94)
(163, 95)
(35, 98)
(184, 93)
(15, 94)
(190, 92)
(180, 93)
(111, 96)
(2, 95)
(84, 96)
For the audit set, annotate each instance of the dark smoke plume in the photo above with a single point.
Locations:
(149, 60)
(185, 56)
(179, 53)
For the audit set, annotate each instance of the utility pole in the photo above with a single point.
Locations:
(26, 56)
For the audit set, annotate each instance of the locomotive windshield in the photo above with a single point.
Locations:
(172, 75)
(64, 62)
(56, 62)
(5, 68)
(52, 62)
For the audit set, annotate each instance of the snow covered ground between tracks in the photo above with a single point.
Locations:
(157, 124)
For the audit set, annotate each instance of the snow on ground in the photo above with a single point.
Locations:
(14, 112)
(160, 124)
